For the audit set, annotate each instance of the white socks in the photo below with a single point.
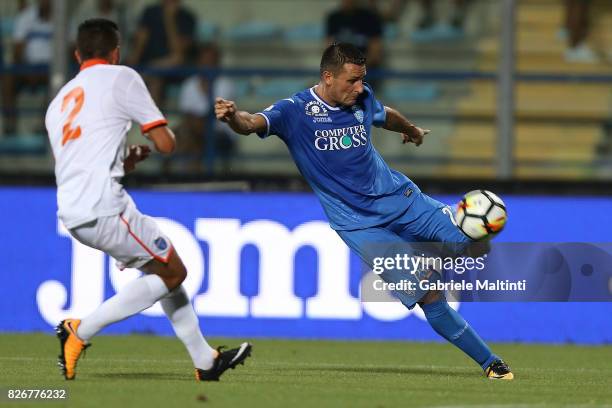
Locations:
(141, 294)
(180, 312)
(135, 297)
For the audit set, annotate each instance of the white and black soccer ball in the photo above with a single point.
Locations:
(481, 213)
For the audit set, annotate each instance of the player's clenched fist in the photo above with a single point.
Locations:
(224, 109)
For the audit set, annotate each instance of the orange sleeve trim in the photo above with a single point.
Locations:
(146, 248)
(148, 126)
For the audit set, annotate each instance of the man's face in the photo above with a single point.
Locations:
(346, 86)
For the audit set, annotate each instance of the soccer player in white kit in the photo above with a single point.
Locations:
(87, 123)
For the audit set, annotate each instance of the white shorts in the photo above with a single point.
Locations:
(131, 237)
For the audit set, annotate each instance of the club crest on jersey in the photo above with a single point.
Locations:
(161, 243)
(315, 108)
(317, 111)
(358, 112)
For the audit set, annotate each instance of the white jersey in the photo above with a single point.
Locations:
(87, 123)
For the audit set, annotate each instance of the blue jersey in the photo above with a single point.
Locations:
(332, 148)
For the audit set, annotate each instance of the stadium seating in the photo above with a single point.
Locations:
(559, 125)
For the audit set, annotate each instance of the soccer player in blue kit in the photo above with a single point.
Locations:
(327, 130)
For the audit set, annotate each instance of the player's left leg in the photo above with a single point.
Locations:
(209, 364)
(449, 324)
(432, 221)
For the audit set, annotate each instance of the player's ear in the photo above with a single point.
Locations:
(77, 56)
(327, 77)
(115, 56)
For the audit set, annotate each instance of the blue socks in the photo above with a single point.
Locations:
(450, 325)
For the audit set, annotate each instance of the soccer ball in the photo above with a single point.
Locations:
(480, 213)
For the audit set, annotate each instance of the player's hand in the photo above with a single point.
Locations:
(224, 109)
(414, 135)
(136, 153)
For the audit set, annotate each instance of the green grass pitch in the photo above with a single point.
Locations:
(149, 371)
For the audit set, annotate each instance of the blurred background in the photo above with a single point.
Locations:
(518, 95)
(513, 90)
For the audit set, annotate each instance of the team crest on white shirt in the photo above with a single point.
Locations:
(161, 243)
(358, 112)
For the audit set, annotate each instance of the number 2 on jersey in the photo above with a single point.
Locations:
(70, 133)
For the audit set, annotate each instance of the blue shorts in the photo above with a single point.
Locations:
(427, 220)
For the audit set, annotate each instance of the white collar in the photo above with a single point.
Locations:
(314, 94)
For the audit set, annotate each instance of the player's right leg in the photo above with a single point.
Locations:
(429, 220)
(379, 242)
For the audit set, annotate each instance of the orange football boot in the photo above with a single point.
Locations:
(71, 347)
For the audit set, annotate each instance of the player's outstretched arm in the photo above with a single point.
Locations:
(163, 138)
(396, 122)
(241, 122)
